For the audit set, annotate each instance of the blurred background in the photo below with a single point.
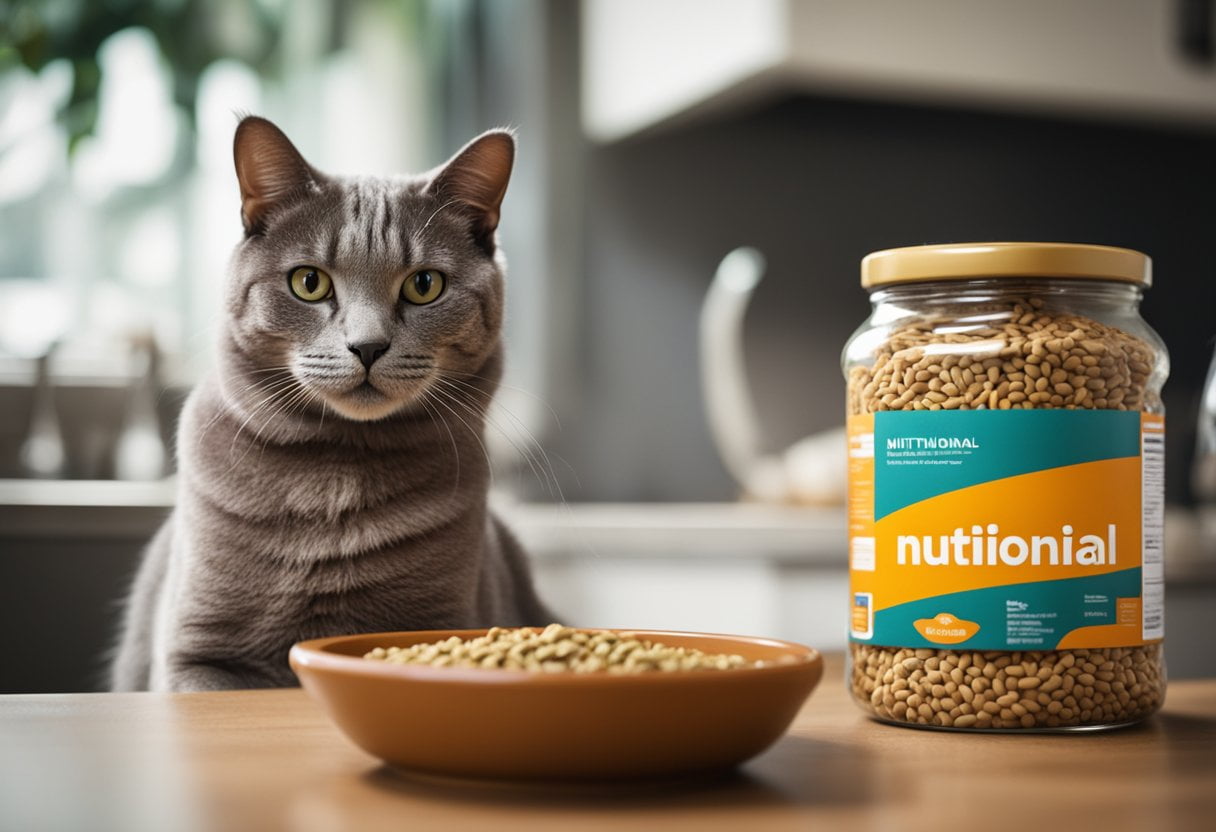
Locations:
(655, 137)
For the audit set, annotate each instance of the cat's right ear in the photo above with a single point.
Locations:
(477, 177)
(271, 172)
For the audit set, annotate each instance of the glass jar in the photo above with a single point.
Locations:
(1006, 489)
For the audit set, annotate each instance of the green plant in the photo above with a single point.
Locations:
(191, 35)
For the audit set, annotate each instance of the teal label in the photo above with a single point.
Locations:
(1006, 530)
(920, 454)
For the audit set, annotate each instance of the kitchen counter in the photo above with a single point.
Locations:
(112, 509)
(265, 760)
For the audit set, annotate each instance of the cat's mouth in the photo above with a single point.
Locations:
(366, 394)
(366, 401)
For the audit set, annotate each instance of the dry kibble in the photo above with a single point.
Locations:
(1006, 361)
(1025, 357)
(557, 649)
(870, 665)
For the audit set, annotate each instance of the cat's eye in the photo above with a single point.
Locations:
(423, 286)
(310, 283)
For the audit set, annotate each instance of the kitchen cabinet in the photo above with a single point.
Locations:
(648, 63)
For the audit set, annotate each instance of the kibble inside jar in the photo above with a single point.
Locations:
(1006, 444)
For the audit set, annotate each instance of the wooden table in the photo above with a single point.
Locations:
(267, 760)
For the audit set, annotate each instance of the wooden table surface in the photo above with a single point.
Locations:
(267, 760)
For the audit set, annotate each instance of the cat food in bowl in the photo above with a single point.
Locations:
(558, 649)
(449, 718)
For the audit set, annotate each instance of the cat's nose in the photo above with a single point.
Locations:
(369, 351)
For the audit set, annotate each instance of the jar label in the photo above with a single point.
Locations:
(1006, 529)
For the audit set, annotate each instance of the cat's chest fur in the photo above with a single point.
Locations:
(321, 536)
(318, 500)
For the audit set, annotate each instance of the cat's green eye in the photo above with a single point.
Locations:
(310, 284)
(423, 286)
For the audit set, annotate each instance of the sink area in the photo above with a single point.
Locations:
(90, 414)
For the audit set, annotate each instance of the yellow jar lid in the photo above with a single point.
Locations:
(971, 261)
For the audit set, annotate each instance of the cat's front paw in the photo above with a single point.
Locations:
(195, 676)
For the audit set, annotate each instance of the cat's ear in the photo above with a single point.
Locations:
(271, 172)
(477, 178)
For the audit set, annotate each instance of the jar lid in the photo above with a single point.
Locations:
(971, 261)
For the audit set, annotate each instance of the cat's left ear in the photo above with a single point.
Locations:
(477, 178)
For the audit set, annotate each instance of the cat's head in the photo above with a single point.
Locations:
(361, 293)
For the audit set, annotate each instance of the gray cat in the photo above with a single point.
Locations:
(331, 472)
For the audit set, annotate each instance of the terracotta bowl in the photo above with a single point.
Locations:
(520, 725)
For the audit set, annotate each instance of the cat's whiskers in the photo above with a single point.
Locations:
(548, 476)
(268, 370)
(296, 404)
(480, 410)
(283, 386)
(442, 398)
(281, 374)
(280, 410)
(309, 397)
(542, 465)
(532, 440)
(266, 384)
(438, 417)
(300, 397)
(498, 384)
